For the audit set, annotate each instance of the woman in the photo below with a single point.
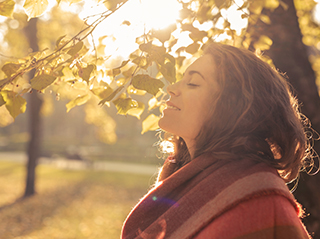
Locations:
(239, 137)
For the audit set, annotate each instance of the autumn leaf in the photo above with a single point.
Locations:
(59, 40)
(147, 83)
(111, 4)
(263, 43)
(164, 34)
(141, 61)
(126, 22)
(168, 71)
(124, 63)
(35, 8)
(75, 49)
(6, 8)
(80, 100)
(133, 91)
(102, 92)
(41, 82)
(265, 19)
(15, 104)
(111, 96)
(153, 103)
(150, 123)
(123, 105)
(272, 4)
(222, 3)
(2, 101)
(137, 111)
(193, 48)
(86, 72)
(10, 68)
(113, 72)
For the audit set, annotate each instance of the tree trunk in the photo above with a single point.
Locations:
(290, 56)
(34, 106)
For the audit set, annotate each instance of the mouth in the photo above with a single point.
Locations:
(171, 106)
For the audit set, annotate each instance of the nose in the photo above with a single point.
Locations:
(173, 89)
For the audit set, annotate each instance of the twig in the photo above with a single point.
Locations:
(92, 26)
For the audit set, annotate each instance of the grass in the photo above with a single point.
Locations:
(68, 204)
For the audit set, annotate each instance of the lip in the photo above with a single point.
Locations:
(169, 103)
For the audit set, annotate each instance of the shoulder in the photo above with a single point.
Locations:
(270, 214)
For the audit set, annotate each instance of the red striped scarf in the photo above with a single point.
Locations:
(188, 200)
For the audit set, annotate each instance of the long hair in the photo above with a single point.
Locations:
(254, 114)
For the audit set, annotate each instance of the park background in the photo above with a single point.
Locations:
(77, 174)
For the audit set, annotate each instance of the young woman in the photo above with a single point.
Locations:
(239, 137)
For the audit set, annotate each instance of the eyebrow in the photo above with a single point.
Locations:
(196, 72)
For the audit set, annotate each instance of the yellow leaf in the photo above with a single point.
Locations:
(133, 91)
(284, 5)
(102, 92)
(147, 83)
(256, 6)
(15, 104)
(128, 73)
(124, 63)
(10, 68)
(2, 101)
(271, 4)
(150, 123)
(193, 48)
(263, 43)
(75, 49)
(35, 8)
(123, 105)
(41, 82)
(6, 8)
(164, 34)
(265, 19)
(111, 96)
(153, 103)
(80, 100)
(126, 23)
(86, 73)
(67, 74)
(111, 4)
(168, 70)
(5, 116)
(137, 111)
(59, 40)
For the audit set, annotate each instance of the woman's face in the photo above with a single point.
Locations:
(190, 99)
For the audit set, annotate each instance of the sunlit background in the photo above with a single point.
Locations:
(88, 204)
(137, 17)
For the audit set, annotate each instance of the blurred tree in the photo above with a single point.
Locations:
(35, 122)
(291, 56)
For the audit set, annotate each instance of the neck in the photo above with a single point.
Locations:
(191, 145)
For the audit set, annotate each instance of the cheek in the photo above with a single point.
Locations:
(202, 112)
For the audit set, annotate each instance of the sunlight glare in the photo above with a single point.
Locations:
(234, 17)
(167, 146)
(142, 15)
(316, 12)
(159, 14)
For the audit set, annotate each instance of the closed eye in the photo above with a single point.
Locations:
(192, 85)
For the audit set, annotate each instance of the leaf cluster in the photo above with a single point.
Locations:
(158, 60)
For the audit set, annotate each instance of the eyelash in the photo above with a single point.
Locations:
(192, 85)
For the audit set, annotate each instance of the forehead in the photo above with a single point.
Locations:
(205, 65)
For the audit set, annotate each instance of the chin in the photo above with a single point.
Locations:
(165, 125)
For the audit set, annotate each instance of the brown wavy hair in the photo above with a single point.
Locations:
(254, 114)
